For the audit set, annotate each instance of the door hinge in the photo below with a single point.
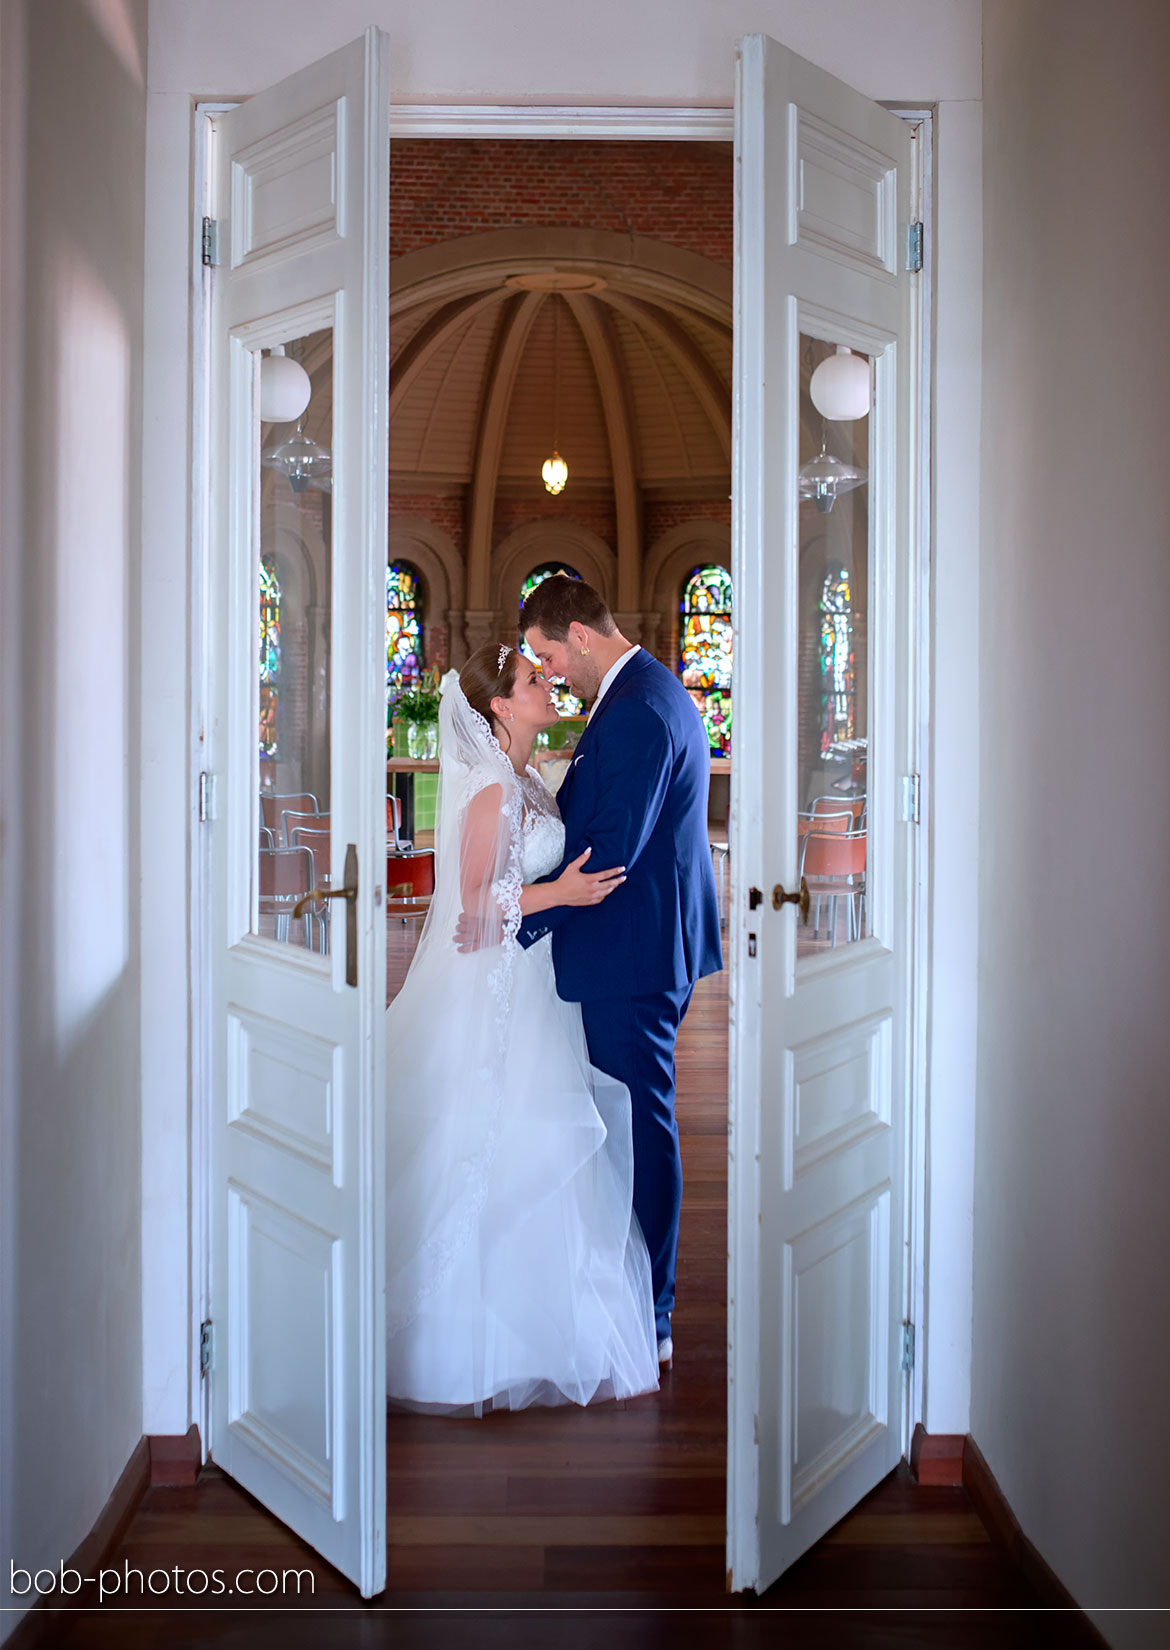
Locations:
(911, 799)
(206, 1348)
(908, 1348)
(206, 797)
(914, 248)
(210, 246)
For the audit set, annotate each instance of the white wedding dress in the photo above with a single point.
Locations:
(516, 1270)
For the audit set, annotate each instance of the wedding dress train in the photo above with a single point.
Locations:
(516, 1270)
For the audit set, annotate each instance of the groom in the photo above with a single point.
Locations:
(636, 795)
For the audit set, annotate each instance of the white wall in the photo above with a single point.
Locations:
(1072, 1342)
(12, 119)
(609, 51)
(70, 1338)
(953, 792)
(612, 51)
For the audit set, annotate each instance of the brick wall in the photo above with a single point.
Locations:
(680, 193)
(595, 514)
(660, 518)
(446, 513)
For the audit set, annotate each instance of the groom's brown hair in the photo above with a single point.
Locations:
(559, 601)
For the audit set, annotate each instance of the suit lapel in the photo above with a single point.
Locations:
(624, 684)
(626, 679)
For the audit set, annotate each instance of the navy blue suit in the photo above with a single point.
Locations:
(636, 794)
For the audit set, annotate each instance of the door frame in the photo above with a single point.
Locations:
(629, 123)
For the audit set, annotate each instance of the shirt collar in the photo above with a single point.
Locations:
(608, 679)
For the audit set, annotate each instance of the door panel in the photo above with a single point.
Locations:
(819, 1014)
(298, 552)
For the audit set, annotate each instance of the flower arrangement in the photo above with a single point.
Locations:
(416, 709)
(418, 704)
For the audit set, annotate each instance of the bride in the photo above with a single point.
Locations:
(516, 1271)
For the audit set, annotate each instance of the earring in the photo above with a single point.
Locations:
(584, 651)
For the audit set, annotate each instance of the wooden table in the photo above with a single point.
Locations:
(410, 765)
(413, 764)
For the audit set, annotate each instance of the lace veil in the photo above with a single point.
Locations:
(449, 1029)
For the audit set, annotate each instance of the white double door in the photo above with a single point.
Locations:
(818, 1069)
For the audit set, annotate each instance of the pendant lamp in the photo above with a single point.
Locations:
(824, 478)
(554, 471)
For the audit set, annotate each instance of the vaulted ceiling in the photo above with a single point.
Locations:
(632, 383)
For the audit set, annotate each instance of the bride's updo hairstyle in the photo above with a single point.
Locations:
(482, 680)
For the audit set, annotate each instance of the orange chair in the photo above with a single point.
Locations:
(833, 862)
(852, 805)
(317, 842)
(273, 805)
(410, 882)
(286, 874)
(394, 826)
(292, 819)
(824, 820)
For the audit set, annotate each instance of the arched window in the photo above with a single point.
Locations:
(403, 629)
(269, 658)
(705, 650)
(567, 704)
(837, 695)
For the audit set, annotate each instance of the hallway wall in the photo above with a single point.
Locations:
(73, 139)
(1071, 1339)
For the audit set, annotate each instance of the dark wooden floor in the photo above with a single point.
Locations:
(596, 1528)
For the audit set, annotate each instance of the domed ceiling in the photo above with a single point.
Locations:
(496, 363)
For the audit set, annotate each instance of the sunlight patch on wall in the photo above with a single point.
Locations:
(89, 724)
(114, 20)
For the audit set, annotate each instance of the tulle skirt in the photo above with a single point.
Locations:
(517, 1273)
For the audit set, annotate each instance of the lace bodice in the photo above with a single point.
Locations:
(544, 834)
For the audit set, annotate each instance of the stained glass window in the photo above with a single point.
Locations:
(837, 695)
(403, 629)
(705, 651)
(269, 657)
(567, 704)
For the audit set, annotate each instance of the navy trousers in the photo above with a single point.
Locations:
(632, 1039)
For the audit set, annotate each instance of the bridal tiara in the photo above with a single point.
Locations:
(502, 661)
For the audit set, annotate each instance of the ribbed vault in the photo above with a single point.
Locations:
(621, 353)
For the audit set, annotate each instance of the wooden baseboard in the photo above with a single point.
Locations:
(1004, 1527)
(937, 1457)
(155, 1460)
(175, 1459)
(42, 1625)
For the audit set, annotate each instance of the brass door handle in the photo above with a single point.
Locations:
(316, 894)
(780, 899)
(349, 893)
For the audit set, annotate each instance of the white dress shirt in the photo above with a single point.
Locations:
(610, 676)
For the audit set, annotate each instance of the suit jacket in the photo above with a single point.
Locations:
(636, 793)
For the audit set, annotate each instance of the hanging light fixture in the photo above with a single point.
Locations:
(302, 460)
(285, 387)
(839, 387)
(554, 471)
(824, 477)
